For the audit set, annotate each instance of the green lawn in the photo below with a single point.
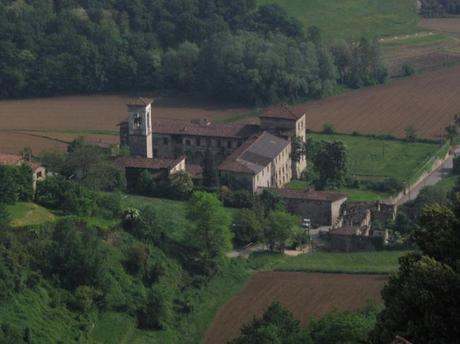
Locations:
(355, 262)
(350, 19)
(121, 328)
(26, 214)
(378, 159)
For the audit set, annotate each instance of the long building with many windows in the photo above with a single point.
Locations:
(254, 155)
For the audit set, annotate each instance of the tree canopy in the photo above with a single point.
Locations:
(233, 49)
(422, 301)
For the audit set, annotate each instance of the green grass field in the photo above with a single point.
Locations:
(351, 19)
(27, 214)
(382, 262)
(378, 159)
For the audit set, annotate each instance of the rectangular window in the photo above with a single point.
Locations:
(165, 140)
(198, 142)
(229, 144)
(219, 143)
(188, 143)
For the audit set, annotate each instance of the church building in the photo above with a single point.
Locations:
(257, 155)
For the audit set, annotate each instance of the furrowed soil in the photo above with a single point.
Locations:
(44, 123)
(451, 25)
(428, 102)
(306, 295)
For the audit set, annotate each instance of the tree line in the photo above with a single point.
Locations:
(439, 8)
(231, 49)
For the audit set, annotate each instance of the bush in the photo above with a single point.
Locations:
(15, 184)
(61, 194)
(389, 185)
(180, 185)
(247, 226)
(77, 256)
(4, 217)
(157, 312)
(109, 205)
(407, 70)
(238, 199)
(329, 129)
(344, 327)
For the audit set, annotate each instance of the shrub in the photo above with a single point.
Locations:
(407, 70)
(411, 134)
(180, 185)
(247, 226)
(238, 199)
(15, 184)
(329, 129)
(61, 194)
(109, 205)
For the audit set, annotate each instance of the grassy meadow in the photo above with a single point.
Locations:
(350, 19)
(27, 214)
(371, 159)
(376, 159)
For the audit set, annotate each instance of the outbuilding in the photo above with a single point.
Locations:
(323, 208)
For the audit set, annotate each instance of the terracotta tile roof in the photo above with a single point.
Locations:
(151, 164)
(325, 196)
(255, 154)
(15, 160)
(281, 111)
(140, 101)
(10, 159)
(178, 127)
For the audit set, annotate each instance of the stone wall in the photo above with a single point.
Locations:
(321, 213)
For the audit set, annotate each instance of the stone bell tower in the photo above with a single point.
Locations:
(140, 127)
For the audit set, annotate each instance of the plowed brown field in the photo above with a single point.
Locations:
(307, 295)
(451, 25)
(101, 112)
(49, 118)
(428, 102)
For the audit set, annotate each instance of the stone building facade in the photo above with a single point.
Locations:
(321, 207)
(270, 165)
(283, 122)
(262, 161)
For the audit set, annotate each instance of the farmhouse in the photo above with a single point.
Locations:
(251, 155)
(322, 208)
(38, 171)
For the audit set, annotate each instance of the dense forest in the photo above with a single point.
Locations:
(231, 49)
(440, 8)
